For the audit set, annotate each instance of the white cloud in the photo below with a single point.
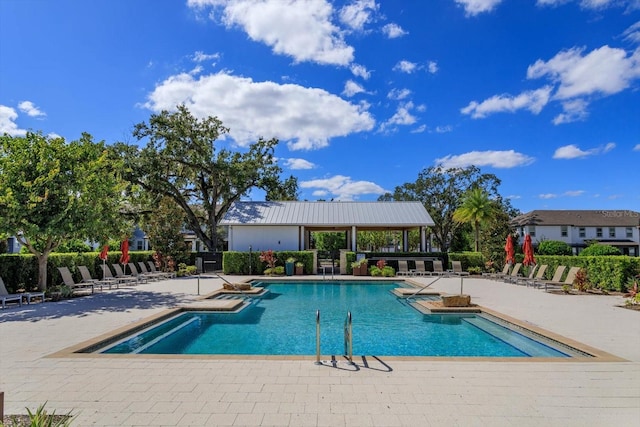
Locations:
(573, 110)
(393, 31)
(593, 4)
(604, 70)
(360, 71)
(352, 88)
(572, 151)
(548, 196)
(305, 117)
(405, 66)
(533, 101)
(474, 7)
(497, 159)
(299, 164)
(398, 94)
(633, 33)
(636, 148)
(432, 67)
(402, 117)
(200, 56)
(574, 193)
(342, 187)
(30, 109)
(304, 30)
(420, 129)
(357, 14)
(8, 124)
(443, 129)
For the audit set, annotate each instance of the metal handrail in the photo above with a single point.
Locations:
(423, 288)
(348, 338)
(318, 362)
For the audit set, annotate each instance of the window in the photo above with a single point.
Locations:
(629, 232)
(564, 231)
(599, 232)
(612, 232)
(532, 230)
(582, 232)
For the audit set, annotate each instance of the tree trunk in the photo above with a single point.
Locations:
(42, 271)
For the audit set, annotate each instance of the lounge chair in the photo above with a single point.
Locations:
(523, 280)
(109, 275)
(157, 275)
(86, 277)
(128, 278)
(135, 272)
(514, 275)
(77, 288)
(6, 297)
(437, 268)
(500, 274)
(420, 270)
(457, 269)
(554, 284)
(403, 268)
(29, 295)
(557, 276)
(538, 278)
(153, 269)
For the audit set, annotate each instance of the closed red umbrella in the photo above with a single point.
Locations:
(527, 249)
(508, 248)
(124, 247)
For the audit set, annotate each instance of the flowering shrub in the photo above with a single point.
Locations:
(268, 257)
(381, 263)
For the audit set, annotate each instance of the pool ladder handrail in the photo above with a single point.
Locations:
(318, 362)
(348, 338)
(423, 288)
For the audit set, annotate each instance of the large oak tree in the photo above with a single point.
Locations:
(52, 191)
(184, 160)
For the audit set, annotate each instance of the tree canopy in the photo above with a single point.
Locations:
(52, 191)
(476, 208)
(441, 191)
(182, 161)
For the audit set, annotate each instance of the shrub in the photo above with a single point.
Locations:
(581, 282)
(600, 250)
(554, 247)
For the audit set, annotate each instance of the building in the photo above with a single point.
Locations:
(288, 225)
(618, 228)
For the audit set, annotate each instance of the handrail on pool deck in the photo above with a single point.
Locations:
(348, 338)
(423, 288)
(318, 362)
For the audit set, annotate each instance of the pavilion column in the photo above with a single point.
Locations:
(423, 240)
(354, 242)
(405, 240)
(302, 241)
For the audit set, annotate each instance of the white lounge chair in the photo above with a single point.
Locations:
(403, 268)
(420, 270)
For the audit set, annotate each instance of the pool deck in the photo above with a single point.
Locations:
(120, 390)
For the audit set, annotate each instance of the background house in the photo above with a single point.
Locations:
(618, 228)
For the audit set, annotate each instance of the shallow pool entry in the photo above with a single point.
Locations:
(283, 322)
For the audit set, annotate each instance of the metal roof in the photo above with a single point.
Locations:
(329, 214)
(580, 218)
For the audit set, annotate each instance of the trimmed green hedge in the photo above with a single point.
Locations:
(468, 259)
(21, 270)
(239, 262)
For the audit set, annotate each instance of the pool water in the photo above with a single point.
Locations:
(284, 323)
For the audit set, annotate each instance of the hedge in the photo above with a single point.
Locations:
(239, 262)
(20, 271)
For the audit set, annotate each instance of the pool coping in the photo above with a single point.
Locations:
(206, 303)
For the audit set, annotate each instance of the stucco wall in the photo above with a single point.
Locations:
(262, 238)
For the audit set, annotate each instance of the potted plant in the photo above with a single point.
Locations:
(289, 264)
(360, 267)
(299, 268)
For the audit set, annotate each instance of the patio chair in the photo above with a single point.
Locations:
(77, 288)
(437, 268)
(420, 270)
(120, 274)
(153, 269)
(158, 275)
(457, 269)
(513, 276)
(121, 279)
(557, 276)
(86, 277)
(538, 278)
(554, 284)
(29, 295)
(530, 276)
(6, 297)
(500, 274)
(403, 268)
(135, 272)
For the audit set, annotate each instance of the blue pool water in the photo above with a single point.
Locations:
(284, 323)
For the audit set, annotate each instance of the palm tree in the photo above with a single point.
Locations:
(476, 208)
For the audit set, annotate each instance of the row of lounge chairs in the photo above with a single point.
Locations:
(403, 269)
(141, 273)
(536, 277)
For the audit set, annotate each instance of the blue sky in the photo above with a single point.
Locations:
(363, 94)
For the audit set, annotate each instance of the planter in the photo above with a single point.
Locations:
(299, 270)
(363, 270)
(456, 300)
(288, 268)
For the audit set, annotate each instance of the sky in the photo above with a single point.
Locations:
(363, 95)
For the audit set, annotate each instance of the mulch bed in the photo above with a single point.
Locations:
(24, 421)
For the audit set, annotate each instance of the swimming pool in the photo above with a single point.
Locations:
(284, 323)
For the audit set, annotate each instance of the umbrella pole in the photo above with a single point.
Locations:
(104, 272)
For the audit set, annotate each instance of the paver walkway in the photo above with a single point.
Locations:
(114, 391)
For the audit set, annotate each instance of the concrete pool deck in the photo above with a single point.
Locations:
(139, 391)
